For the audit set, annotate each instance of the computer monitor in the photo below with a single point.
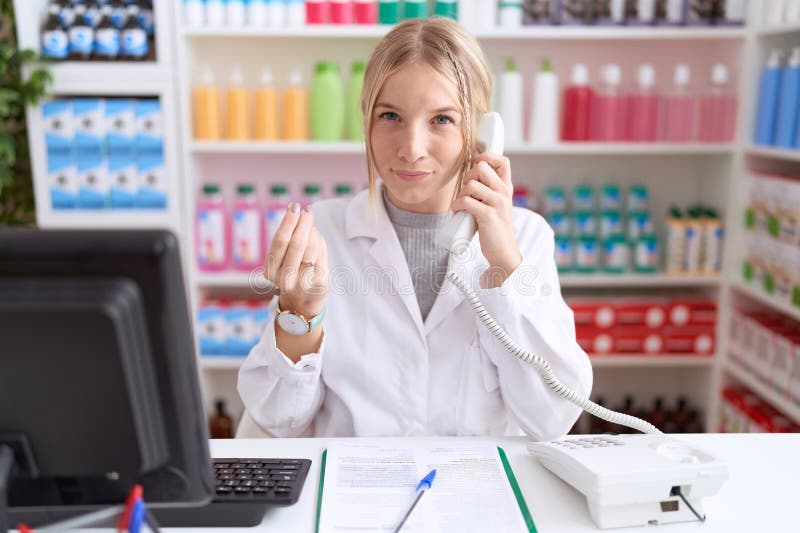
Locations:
(98, 376)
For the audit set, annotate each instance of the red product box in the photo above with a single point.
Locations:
(690, 340)
(648, 313)
(692, 312)
(638, 340)
(595, 341)
(593, 313)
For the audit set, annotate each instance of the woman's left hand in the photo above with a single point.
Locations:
(487, 195)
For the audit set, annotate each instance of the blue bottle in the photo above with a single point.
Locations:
(786, 131)
(768, 100)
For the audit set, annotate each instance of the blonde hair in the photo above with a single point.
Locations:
(444, 45)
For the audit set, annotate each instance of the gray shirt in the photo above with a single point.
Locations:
(427, 260)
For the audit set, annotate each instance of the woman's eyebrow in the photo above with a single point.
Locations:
(440, 110)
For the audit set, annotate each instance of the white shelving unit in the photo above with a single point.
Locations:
(783, 404)
(675, 173)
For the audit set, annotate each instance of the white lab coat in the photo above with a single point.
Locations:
(381, 371)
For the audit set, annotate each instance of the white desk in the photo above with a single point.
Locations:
(761, 494)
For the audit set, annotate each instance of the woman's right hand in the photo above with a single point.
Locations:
(297, 262)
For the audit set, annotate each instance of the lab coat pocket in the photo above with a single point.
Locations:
(480, 409)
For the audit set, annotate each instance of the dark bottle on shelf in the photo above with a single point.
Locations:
(107, 38)
(55, 41)
(658, 415)
(64, 11)
(81, 36)
(145, 16)
(134, 37)
(93, 14)
(221, 425)
(681, 416)
(119, 14)
(694, 424)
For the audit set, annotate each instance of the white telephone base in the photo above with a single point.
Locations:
(628, 480)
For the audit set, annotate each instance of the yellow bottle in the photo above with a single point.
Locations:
(237, 109)
(266, 110)
(206, 109)
(295, 109)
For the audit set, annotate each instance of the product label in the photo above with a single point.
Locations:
(646, 254)
(212, 330)
(93, 180)
(586, 254)
(107, 42)
(124, 182)
(585, 224)
(152, 184)
(81, 40)
(274, 218)
(241, 331)
(134, 42)
(564, 253)
(55, 44)
(211, 237)
(615, 255)
(246, 245)
(63, 180)
(610, 224)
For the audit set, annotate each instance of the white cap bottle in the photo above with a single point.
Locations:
(544, 122)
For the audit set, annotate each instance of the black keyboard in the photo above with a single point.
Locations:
(245, 489)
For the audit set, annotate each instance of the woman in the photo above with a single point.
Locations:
(393, 349)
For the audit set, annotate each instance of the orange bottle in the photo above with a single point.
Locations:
(206, 109)
(266, 110)
(236, 109)
(295, 109)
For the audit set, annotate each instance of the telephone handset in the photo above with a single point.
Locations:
(660, 461)
(458, 232)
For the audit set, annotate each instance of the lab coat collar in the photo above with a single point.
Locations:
(363, 220)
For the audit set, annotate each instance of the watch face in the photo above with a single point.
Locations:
(291, 323)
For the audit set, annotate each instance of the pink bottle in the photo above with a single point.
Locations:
(365, 11)
(609, 113)
(680, 110)
(277, 205)
(341, 11)
(717, 109)
(643, 104)
(246, 230)
(317, 11)
(211, 231)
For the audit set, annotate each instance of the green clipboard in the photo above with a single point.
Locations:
(523, 507)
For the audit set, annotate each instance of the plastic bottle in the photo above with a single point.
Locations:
(207, 109)
(119, 13)
(671, 13)
(355, 118)
(544, 122)
(511, 103)
(713, 238)
(768, 97)
(343, 190)
(609, 116)
(680, 109)
(295, 109)
(266, 109)
(645, 13)
(485, 14)
(365, 11)
(717, 109)
(194, 12)
(311, 194)
(215, 13)
(388, 11)
(212, 234)
(277, 13)
(235, 12)
(578, 98)
(446, 8)
(277, 206)
(257, 13)
(237, 112)
(55, 41)
(510, 14)
(107, 43)
(64, 12)
(317, 11)
(295, 14)
(221, 425)
(341, 11)
(676, 242)
(81, 36)
(773, 12)
(789, 103)
(327, 103)
(134, 37)
(413, 9)
(692, 245)
(246, 237)
(643, 107)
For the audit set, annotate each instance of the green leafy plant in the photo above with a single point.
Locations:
(16, 184)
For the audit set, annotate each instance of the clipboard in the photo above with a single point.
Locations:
(512, 480)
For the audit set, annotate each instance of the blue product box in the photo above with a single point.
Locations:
(124, 182)
(149, 128)
(212, 330)
(120, 125)
(152, 192)
(63, 180)
(58, 128)
(241, 329)
(261, 318)
(89, 126)
(93, 182)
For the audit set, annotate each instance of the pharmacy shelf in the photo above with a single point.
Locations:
(781, 29)
(231, 280)
(635, 360)
(107, 219)
(544, 33)
(109, 78)
(779, 154)
(636, 280)
(221, 362)
(777, 400)
(767, 300)
(567, 149)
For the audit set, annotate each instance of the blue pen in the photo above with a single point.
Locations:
(423, 485)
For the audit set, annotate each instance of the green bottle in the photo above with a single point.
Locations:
(355, 118)
(327, 103)
(415, 9)
(389, 11)
(446, 8)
